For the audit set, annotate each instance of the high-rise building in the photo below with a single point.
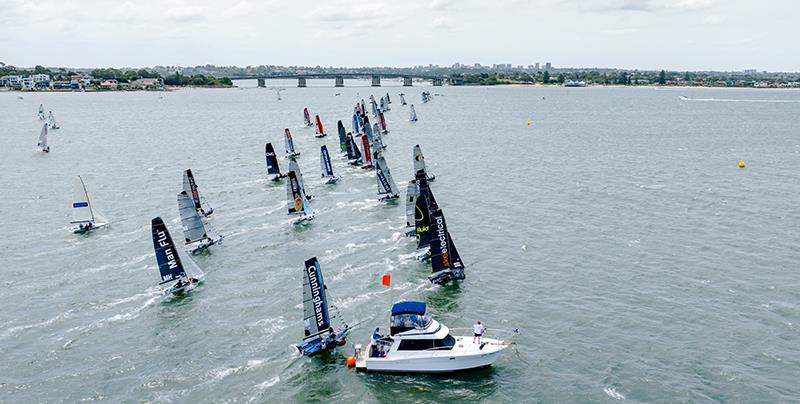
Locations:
(548, 66)
(537, 66)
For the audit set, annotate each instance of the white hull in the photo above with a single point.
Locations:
(464, 356)
(81, 230)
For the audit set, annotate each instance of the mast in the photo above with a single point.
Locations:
(169, 262)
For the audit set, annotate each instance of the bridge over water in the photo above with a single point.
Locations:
(339, 78)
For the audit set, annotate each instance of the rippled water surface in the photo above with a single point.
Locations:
(615, 231)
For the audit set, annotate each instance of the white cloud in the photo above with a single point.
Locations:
(441, 4)
(443, 23)
(186, 14)
(714, 19)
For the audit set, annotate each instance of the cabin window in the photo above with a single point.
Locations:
(415, 344)
(445, 343)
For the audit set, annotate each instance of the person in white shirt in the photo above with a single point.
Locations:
(479, 329)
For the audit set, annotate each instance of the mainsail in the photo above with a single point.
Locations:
(297, 199)
(353, 154)
(412, 192)
(272, 162)
(52, 120)
(413, 117)
(287, 137)
(386, 185)
(306, 117)
(444, 256)
(43, 139)
(356, 123)
(190, 188)
(384, 128)
(422, 220)
(342, 136)
(419, 163)
(318, 128)
(169, 263)
(193, 228)
(316, 318)
(402, 99)
(81, 206)
(377, 143)
(325, 162)
(368, 129)
(41, 112)
(388, 100)
(367, 152)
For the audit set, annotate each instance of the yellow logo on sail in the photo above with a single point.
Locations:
(298, 203)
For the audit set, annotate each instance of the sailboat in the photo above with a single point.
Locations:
(412, 193)
(293, 166)
(307, 117)
(368, 129)
(85, 217)
(342, 137)
(43, 140)
(299, 204)
(353, 154)
(195, 235)
(384, 105)
(419, 163)
(273, 170)
(319, 129)
(384, 128)
(388, 100)
(422, 220)
(319, 334)
(174, 277)
(327, 167)
(52, 121)
(387, 189)
(445, 261)
(377, 140)
(190, 188)
(41, 111)
(356, 123)
(374, 107)
(367, 153)
(287, 137)
(402, 99)
(413, 117)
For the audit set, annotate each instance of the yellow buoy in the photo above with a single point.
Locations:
(741, 163)
(351, 361)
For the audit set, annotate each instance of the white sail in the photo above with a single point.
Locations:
(81, 206)
(43, 139)
(412, 192)
(419, 159)
(193, 228)
(386, 185)
(293, 166)
(52, 121)
(413, 117)
(41, 112)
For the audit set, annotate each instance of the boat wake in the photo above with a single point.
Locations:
(611, 392)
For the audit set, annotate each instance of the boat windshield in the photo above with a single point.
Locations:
(405, 322)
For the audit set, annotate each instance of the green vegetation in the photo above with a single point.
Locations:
(178, 79)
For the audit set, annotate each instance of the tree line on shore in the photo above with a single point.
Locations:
(123, 76)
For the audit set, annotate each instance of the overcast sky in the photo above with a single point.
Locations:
(645, 34)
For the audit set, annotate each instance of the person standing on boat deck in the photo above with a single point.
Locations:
(478, 328)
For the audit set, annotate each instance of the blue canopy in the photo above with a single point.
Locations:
(408, 308)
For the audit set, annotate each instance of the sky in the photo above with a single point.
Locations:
(633, 34)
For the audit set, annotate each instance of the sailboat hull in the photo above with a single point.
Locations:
(84, 230)
(200, 246)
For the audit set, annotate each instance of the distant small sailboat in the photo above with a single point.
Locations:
(426, 96)
(353, 154)
(412, 193)
(299, 205)
(196, 236)
(52, 121)
(43, 140)
(85, 217)
(374, 107)
(413, 117)
(342, 137)
(41, 111)
(273, 170)
(387, 189)
(384, 105)
(174, 278)
(419, 163)
(388, 100)
(319, 334)
(445, 261)
(287, 137)
(190, 188)
(402, 99)
(367, 153)
(319, 129)
(382, 120)
(327, 167)
(356, 123)
(307, 117)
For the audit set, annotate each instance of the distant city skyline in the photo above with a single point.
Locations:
(678, 35)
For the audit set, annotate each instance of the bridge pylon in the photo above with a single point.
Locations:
(407, 82)
(376, 81)
(301, 82)
(339, 81)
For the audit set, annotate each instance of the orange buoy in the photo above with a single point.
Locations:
(351, 362)
(387, 280)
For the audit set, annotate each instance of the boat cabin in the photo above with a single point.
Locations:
(408, 316)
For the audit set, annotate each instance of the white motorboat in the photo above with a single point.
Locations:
(419, 344)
